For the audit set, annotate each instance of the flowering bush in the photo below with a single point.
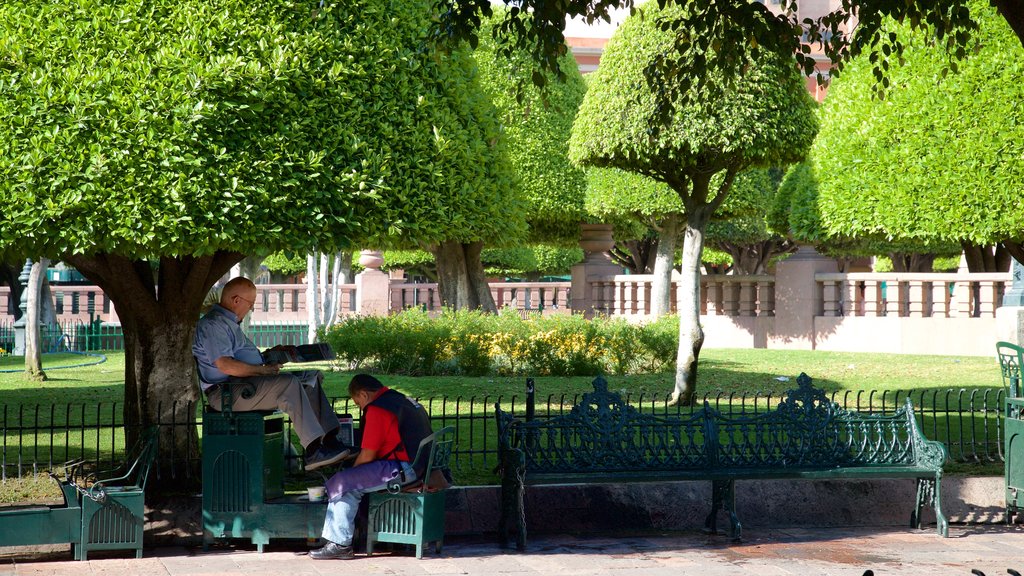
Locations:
(475, 344)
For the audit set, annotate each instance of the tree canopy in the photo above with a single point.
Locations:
(153, 128)
(765, 117)
(152, 143)
(537, 128)
(730, 35)
(937, 162)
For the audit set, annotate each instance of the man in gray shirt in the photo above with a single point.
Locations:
(223, 352)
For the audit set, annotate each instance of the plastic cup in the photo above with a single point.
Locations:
(316, 493)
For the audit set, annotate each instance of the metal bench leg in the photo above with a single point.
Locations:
(915, 515)
(942, 525)
(718, 494)
(730, 507)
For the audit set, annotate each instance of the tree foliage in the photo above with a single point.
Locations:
(537, 127)
(730, 35)
(934, 165)
(153, 128)
(765, 117)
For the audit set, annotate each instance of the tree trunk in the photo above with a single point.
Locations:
(691, 335)
(1013, 12)
(9, 276)
(34, 307)
(986, 258)
(754, 258)
(912, 262)
(1015, 250)
(460, 276)
(661, 287)
(312, 296)
(158, 317)
(636, 255)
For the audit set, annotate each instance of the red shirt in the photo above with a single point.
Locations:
(380, 433)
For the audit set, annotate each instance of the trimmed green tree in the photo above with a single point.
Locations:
(150, 144)
(796, 213)
(766, 117)
(938, 161)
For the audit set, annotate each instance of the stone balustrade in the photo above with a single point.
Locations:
(912, 295)
(951, 314)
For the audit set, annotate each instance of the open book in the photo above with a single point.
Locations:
(303, 353)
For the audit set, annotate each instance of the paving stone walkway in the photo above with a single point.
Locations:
(991, 549)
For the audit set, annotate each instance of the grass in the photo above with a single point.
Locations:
(721, 370)
(737, 372)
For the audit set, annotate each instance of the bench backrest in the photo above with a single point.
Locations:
(602, 434)
(134, 472)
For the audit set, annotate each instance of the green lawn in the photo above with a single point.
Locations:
(727, 371)
(936, 382)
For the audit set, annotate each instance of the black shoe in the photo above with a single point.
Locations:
(332, 551)
(324, 456)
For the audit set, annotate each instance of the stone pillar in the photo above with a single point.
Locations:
(19, 324)
(1010, 316)
(595, 240)
(373, 287)
(798, 299)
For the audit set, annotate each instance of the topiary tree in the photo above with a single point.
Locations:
(150, 144)
(766, 117)
(537, 131)
(937, 161)
(652, 209)
(538, 126)
(796, 211)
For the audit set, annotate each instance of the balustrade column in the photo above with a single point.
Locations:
(830, 298)
(962, 296)
(713, 297)
(766, 298)
(588, 277)
(747, 299)
(873, 298)
(373, 287)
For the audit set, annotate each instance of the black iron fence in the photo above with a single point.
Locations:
(38, 438)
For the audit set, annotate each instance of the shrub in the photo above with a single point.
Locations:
(476, 344)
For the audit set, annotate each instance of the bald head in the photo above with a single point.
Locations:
(238, 295)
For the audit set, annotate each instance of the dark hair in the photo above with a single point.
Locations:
(364, 382)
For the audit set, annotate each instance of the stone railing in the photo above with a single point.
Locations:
(629, 295)
(544, 297)
(912, 295)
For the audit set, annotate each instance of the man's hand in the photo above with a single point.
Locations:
(270, 369)
(240, 369)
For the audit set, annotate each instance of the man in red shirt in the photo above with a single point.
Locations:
(393, 426)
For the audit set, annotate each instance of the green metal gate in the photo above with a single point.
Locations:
(1011, 359)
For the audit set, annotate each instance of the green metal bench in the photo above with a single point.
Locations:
(605, 440)
(107, 514)
(414, 514)
(1011, 361)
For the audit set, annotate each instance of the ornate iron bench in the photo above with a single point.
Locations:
(107, 514)
(1011, 365)
(603, 439)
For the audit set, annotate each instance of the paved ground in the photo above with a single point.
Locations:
(991, 549)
